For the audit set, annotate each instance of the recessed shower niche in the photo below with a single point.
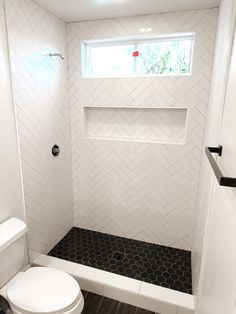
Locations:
(148, 125)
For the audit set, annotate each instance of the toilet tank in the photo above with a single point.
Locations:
(13, 249)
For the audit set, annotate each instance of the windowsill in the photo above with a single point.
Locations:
(136, 76)
(144, 141)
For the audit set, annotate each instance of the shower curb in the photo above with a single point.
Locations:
(124, 289)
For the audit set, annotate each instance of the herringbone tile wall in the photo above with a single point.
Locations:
(40, 91)
(137, 190)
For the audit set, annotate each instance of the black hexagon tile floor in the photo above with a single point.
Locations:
(152, 263)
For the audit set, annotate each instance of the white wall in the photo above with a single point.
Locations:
(218, 86)
(11, 193)
(142, 191)
(40, 92)
(217, 285)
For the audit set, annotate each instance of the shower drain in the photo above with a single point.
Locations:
(118, 256)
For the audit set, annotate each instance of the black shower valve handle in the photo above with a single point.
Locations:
(55, 150)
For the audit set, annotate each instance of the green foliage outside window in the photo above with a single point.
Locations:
(165, 58)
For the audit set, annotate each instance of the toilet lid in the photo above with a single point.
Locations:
(43, 290)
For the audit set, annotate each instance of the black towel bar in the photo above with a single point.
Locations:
(224, 181)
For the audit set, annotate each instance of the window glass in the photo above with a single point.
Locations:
(164, 57)
(157, 56)
(113, 60)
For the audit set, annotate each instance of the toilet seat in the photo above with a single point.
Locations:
(43, 290)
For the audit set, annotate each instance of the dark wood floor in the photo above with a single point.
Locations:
(96, 304)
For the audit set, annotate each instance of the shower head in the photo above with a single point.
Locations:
(56, 55)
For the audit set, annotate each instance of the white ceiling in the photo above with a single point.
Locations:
(81, 10)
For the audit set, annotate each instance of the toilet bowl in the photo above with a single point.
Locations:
(37, 290)
(43, 290)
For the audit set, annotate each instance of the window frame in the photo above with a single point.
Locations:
(86, 45)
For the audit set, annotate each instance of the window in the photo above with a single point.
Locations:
(170, 55)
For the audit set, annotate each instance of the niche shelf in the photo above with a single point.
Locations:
(135, 124)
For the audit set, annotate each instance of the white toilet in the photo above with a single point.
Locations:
(39, 290)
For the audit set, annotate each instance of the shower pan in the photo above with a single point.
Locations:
(160, 265)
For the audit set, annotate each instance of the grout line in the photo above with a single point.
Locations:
(140, 286)
(117, 310)
(84, 293)
(136, 310)
(102, 298)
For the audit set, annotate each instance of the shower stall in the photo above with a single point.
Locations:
(114, 171)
